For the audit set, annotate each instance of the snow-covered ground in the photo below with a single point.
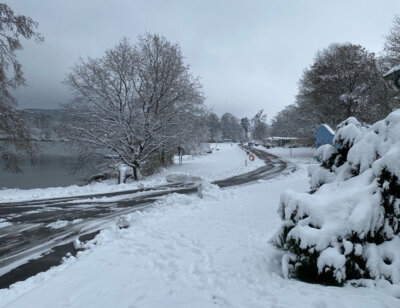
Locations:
(228, 160)
(295, 155)
(190, 252)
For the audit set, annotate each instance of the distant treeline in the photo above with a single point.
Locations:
(43, 124)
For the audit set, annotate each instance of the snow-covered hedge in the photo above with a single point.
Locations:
(348, 226)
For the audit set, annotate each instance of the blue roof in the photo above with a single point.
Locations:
(328, 128)
(324, 135)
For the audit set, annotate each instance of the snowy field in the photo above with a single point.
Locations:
(225, 161)
(228, 161)
(190, 252)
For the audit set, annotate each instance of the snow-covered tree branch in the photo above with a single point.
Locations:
(15, 139)
(135, 104)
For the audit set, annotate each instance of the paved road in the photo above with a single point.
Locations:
(31, 237)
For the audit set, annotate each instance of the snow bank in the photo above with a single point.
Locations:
(348, 228)
(182, 178)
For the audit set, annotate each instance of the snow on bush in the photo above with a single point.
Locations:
(348, 226)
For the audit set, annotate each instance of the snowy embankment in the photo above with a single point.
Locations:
(228, 160)
(190, 252)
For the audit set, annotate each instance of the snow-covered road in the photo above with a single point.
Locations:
(40, 226)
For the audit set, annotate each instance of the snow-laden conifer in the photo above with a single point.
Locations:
(348, 227)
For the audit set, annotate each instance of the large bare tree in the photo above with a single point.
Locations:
(14, 136)
(136, 103)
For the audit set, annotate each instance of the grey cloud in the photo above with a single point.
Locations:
(249, 54)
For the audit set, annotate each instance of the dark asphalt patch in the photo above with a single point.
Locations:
(45, 262)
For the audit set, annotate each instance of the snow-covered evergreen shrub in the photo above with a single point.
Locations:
(349, 227)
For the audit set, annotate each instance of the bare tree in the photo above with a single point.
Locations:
(392, 44)
(294, 121)
(260, 128)
(214, 127)
(14, 136)
(135, 103)
(246, 127)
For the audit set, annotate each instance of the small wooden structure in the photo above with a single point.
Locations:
(324, 135)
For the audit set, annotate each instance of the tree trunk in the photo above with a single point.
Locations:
(349, 113)
(122, 175)
(163, 157)
(135, 173)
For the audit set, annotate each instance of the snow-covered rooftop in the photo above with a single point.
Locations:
(328, 128)
(391, 71)
(283, 138)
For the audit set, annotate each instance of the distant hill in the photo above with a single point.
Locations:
(54, 113)
(43, 124)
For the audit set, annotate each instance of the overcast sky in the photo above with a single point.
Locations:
(249, 54)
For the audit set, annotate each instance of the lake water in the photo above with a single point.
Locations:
(54, 167)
